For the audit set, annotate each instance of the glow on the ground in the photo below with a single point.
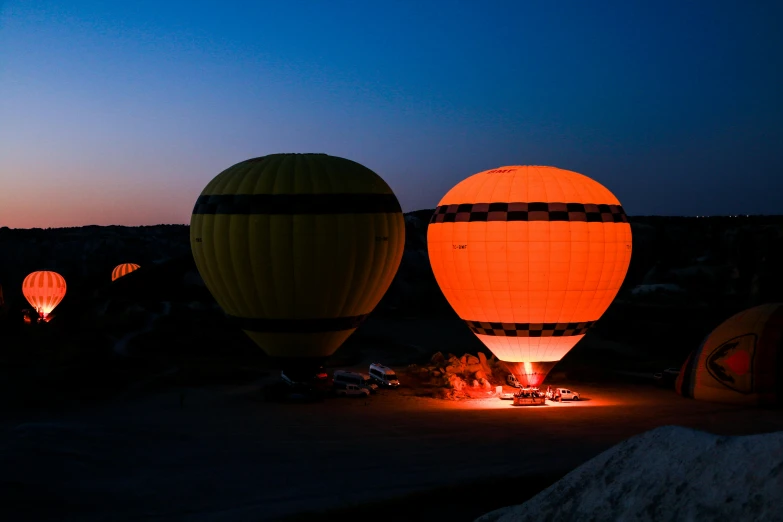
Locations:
(494, 403)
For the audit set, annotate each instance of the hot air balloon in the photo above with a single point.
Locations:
(740, 362)
(297, 249)
(44, 291)
(529, 257)
(123, 269)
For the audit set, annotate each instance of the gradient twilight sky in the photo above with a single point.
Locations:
(121, 112)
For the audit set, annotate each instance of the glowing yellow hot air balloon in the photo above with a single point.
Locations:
(44, 291)
(530, 258)
(123, 269)
(297, 249)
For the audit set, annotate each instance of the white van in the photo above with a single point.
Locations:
(362, 380)
(384, 375)
(562, 394)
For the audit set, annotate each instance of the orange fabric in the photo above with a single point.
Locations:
(530, 373)
(123, 269)
(44, 290)
(529, 349)
(529, 271)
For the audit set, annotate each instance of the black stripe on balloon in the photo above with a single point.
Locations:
(529, 329)
(297, 204)
(264, 325)
(536, 211)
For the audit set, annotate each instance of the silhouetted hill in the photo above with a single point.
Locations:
(686, 276)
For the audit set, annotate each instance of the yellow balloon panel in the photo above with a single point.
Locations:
(303, 267)
(297, 248)
(300, 345)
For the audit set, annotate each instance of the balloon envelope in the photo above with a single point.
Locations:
(123, 269)
(297, 249)
(530, 257)
(740, 362)
(44, 290)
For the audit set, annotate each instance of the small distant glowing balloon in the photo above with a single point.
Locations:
(530, 257)
(123, 269)
(44, 290)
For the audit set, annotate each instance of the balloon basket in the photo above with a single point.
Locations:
(529, 401)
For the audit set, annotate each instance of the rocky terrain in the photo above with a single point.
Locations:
(668, 474)
(452, 377)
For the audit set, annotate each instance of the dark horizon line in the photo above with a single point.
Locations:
(630, 218)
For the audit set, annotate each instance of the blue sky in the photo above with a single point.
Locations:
(120, 113)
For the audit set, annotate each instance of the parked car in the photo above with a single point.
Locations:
(384, 375)
(512, 381)
(562, 394)
(362, 380)
(352, 390)
(320, 380)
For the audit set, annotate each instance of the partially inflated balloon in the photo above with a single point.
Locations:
(44, 291)
(297, 249)
(740, 362)
(530, 257)
(123, 269)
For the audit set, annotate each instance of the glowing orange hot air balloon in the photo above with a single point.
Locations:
(123, 269)
(530, 257)
(44, 291)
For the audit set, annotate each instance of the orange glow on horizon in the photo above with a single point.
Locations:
(56, 206)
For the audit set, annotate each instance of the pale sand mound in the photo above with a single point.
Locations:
(669, 473)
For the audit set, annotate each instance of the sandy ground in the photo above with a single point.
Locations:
(228, 456)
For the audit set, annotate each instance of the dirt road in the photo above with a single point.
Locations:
(227, 456)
